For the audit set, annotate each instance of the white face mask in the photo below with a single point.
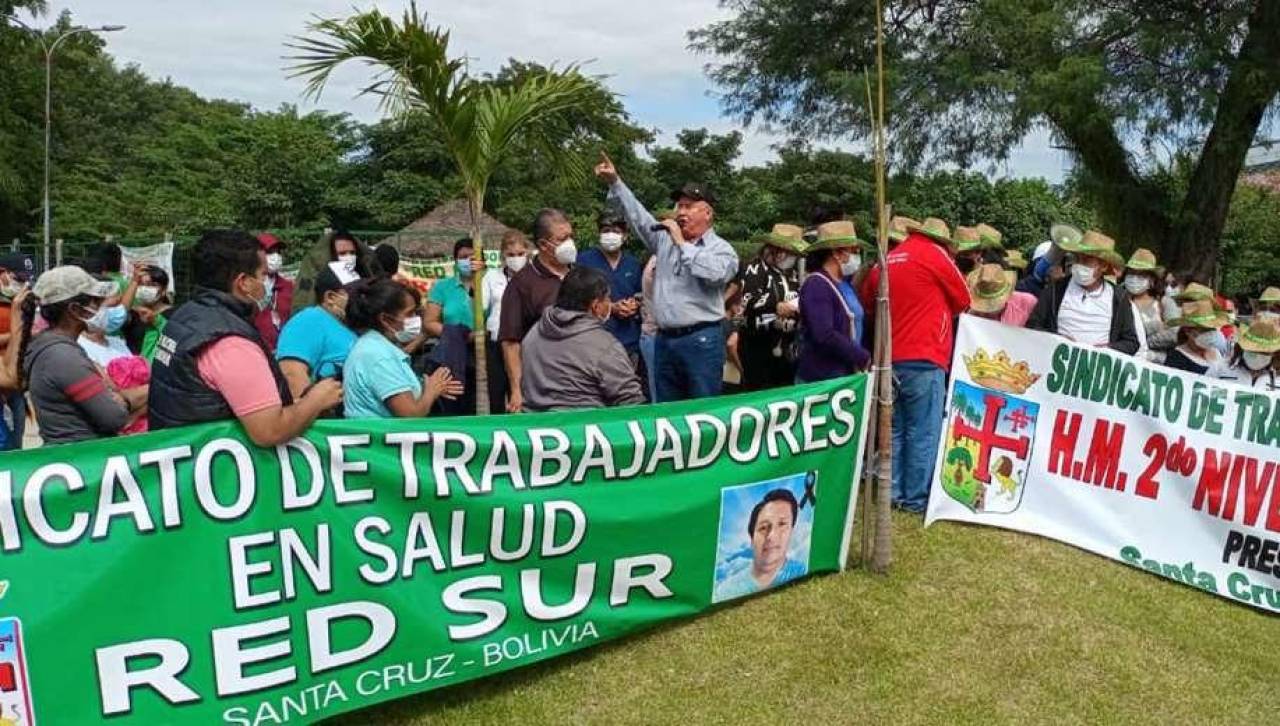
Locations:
(516, 263)
(274, 261)
(566, 252)
(1207, 339)
(786, 262)
(147, 295)
(849, 267)
(1137, 285)
(1084, 275)
(412, 329)
(98, 321)
(610, 241)
(348, 261)
(1257, 361)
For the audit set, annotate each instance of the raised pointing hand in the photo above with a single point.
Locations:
(605, 170)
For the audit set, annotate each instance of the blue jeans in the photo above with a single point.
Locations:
(917, 424)
(690, 366)
(648, 345)
(16, 403)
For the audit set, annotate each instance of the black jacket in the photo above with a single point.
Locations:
(1124, 333)
(178, 395)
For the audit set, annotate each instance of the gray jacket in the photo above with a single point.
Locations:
(569, 360)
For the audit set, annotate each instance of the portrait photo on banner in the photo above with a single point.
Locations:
(765, 533)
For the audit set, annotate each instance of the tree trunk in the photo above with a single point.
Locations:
(1250, 89)
(480, 337)
(1132, 210)
(1185, 232)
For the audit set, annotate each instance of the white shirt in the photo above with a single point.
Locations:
(1085, 317)
(104, 354)
(1267, 381)
(492, 288)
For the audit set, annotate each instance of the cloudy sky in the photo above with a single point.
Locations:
(234, 49)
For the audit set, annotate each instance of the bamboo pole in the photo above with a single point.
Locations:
(882, 553)
(868, 510)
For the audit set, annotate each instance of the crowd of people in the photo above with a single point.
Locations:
(98, 353)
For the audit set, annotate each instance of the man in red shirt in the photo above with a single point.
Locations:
(271, 320)
(926, 293)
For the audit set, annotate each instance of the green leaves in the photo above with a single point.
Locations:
(479, 121)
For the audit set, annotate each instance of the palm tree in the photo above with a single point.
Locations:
(480, 122)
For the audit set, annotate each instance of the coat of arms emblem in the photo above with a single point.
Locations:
(990, 431)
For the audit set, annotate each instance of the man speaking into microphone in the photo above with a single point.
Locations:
(694, 265)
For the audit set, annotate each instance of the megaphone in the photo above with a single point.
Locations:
(1065, 234)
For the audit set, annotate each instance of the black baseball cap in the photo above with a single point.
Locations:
(610, 218)
(695, 191)
(19, 264)
(327, 282)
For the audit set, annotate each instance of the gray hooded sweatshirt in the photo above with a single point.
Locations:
(570, 361)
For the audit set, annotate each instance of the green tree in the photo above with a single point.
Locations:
(284, 173)
(21, 119)
(969, 79)
(1251, 242)
(479, 122)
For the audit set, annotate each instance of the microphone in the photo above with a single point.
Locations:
(658, 228)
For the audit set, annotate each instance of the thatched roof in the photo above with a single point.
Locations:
(433, 234)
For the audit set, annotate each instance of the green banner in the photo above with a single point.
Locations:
(189, 576)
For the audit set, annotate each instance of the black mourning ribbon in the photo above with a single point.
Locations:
(810, 497)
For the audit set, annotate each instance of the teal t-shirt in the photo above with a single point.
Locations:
(317, 338)
(375, 371)
(454, 301)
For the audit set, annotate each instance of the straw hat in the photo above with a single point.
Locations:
(992, 239)
(787, 237)
(1095, 244)
(1262, 336)
(990, 287)
(933, 228)
(1199, 314)
(1194, 292)
(1014, 259)
(899, 226)
(1143, 260)
(836, 236)
(967, 239)
(1270, 295)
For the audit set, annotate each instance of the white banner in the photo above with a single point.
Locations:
(1169, 472)
(157, 255)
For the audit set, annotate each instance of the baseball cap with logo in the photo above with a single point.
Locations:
(64, 283)
(18, 264)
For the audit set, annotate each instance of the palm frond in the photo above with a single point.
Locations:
(478, 120)
(530, 110)
(413, 58)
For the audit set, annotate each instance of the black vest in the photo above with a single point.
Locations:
(178, 396)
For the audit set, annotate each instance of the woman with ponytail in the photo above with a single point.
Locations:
(378, 381)
(73, 399)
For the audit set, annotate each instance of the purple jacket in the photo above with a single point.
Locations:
(827, 347)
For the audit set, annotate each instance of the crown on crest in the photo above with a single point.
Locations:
(1000, 372)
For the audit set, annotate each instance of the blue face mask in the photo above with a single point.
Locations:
(116, 317)
(464, 268)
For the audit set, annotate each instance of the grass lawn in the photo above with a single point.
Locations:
(974, 625)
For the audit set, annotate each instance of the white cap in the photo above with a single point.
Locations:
(1042, 249)
(64, 283)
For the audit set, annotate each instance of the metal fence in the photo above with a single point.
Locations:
(298, 242)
